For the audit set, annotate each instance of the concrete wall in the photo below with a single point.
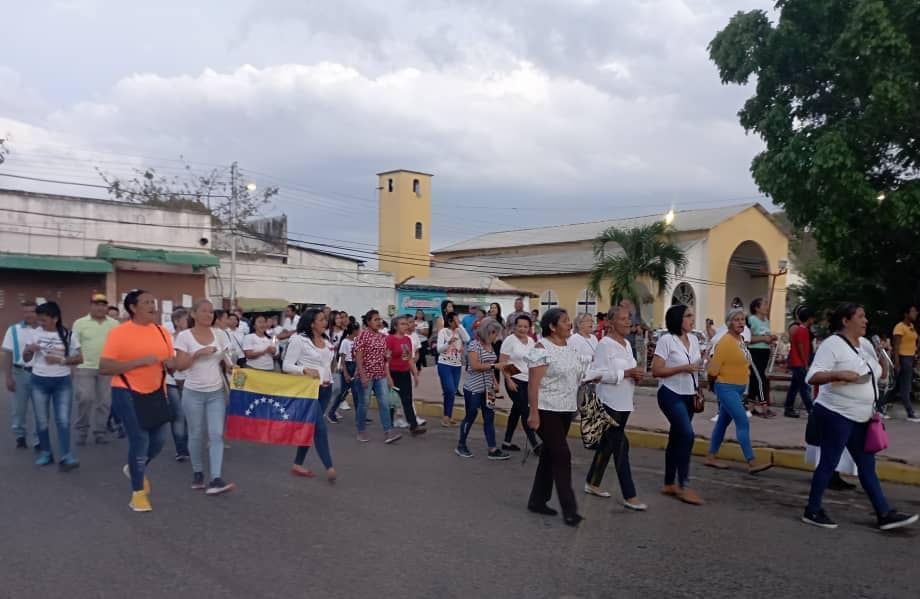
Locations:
(316, 279)
(32, 223)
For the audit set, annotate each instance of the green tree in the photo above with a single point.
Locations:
(837, 104)
(210, 192)
(641, 252)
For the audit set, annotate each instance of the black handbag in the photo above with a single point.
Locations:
(151, 409)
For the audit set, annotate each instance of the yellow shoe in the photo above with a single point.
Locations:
(127, 472)
(140, 502)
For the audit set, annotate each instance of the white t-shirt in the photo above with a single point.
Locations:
(674, 353)
(416, 343)
(50, 344)
(347, 349)
(290, 324)
(422, 328)
(517, 352)
(25, 335)
(584, 346)
(301, 353)
(253, 342)
(235, 343)
(851, 400)
(205, 373)
(243, 328)
(612, 359)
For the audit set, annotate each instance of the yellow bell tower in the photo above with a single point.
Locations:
(404, 222)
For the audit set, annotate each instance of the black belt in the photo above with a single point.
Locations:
(20, 367)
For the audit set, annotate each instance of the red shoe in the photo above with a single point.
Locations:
(301, 471)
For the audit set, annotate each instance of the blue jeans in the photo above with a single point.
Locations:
(798, 385)
(321, 436)
(474, 402)
(836, 433)
(343, 387)
(450, 382)
(54, 391)
(143, 445)
(678, 409)
(178, 426)
(363, 398)
(196, 404)
(731, 407)
(20, 401)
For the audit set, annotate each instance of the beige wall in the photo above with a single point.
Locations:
(399, 211)
(724, 239)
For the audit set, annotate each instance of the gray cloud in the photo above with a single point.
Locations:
(600, 107)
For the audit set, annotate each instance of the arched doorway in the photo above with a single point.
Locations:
(747, 276)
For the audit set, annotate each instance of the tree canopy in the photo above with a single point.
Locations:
(643, 252)
(837, 104)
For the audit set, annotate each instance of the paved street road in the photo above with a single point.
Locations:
(414, 520)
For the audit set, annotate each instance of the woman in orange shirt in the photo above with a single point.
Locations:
(136, 355)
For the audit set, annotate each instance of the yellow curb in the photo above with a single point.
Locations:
(792, 459)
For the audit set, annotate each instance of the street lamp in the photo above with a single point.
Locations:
(669, 217)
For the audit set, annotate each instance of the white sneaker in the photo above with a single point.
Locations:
(401, 423)
(421, 421)
(914, 419)
(344, 407)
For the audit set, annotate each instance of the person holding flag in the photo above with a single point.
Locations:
(310, 353)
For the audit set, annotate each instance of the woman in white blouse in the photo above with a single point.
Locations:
(514, 351)
(848, 370)
(556, 370)
(583, 340)
(451, 341)
(310, 353)
(259, 348)
(619, 372)
(677, 363)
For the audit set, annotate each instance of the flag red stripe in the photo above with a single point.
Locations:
(273, 432)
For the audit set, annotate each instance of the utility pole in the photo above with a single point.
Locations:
(233, 241)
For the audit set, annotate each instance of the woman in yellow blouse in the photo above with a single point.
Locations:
(729, 368)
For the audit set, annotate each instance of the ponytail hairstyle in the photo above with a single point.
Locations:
(352, 327)
(366, 319)
(52, 310)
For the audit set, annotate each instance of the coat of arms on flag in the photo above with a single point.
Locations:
(274, 408)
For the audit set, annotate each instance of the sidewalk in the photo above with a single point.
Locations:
(779, 439)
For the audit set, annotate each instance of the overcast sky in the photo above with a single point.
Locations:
(528, 112)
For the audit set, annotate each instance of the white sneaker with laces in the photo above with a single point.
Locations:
(344, 407)
(401, 422)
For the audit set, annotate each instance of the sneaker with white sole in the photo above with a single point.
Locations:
(893, 520)
(636, 507)
(819, 519)
(913, 419)
(498, 454)
(463, 452)
(596, 491)
(401, 423)
(218, 486)
(127, 472)
(344, 407)
(392, 437)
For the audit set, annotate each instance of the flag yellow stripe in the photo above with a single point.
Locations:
(274, 383)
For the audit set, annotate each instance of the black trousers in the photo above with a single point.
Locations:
(616, 444)
(761, 358)
(519, 412)
(555, 463)
(403, 382)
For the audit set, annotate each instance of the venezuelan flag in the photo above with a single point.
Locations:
(274, 408)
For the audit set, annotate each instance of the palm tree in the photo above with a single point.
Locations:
(643, 252)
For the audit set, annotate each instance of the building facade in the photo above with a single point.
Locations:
(63, 249)
(732, 253)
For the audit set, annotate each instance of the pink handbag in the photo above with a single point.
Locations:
(876, 436)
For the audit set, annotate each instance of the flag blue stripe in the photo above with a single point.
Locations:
(272, 407)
